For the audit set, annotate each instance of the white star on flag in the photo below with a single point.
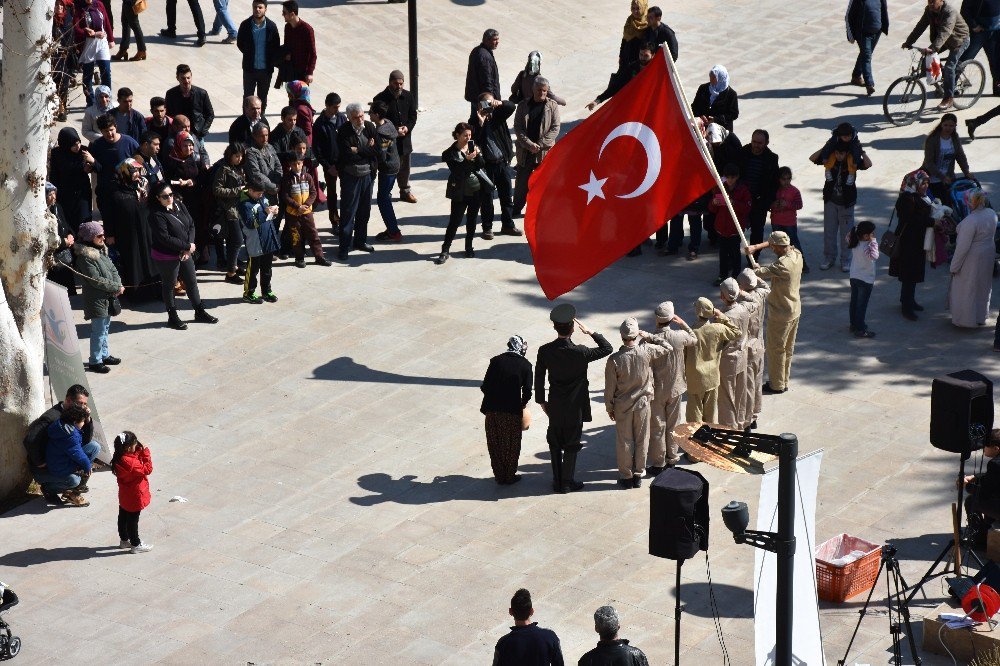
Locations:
(594, 188)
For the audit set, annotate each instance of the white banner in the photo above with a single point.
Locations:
(807, 643)
(62, 355)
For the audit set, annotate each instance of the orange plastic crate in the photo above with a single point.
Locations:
(839, 583)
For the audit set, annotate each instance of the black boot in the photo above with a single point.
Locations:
(173, 321)
(971, 126)
(201, 315)
(443, 257)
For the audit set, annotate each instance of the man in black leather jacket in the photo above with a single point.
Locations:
(492, 134)
(611, 650)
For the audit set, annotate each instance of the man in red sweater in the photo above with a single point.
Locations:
(299, 46)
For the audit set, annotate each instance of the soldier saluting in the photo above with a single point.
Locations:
(568, 401)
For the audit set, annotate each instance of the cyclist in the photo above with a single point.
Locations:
(949, 32)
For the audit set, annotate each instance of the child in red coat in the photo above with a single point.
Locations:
(132, 465)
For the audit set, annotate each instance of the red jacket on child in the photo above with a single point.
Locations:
(741, 199)
(133, 486)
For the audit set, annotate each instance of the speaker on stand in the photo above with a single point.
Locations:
(678, 526)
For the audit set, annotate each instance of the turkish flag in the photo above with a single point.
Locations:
(614, 180)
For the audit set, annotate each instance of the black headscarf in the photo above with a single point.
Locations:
(68, 136)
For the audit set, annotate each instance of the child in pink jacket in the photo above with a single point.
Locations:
(784, 210)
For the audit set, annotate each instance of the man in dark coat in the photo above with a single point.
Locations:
(759, 172)
(866, 20)
(659, 33)
(492, 134)
(241, 131)
(483, 74)
(258, 41)
(36, 440)
(568, 401)
(611, 650)
(357, 157)
(402, 114)
(324, 145)
(189, 100)
(527, 644)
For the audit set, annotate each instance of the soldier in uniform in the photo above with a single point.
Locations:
(568, 401)
(713, 330)
(668, 387)
(733, 367)
(628, 387)
(754, 290)
(785, 308)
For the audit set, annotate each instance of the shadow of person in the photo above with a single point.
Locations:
(32, 556)
(345, 369)
(730, 600)
(407, 490)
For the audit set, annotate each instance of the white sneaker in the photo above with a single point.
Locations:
(845, 268)
(142, 548)
(125, 543)
(825, 266)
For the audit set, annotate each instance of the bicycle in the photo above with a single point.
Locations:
(906, 98)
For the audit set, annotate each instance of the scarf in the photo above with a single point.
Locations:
(534, 66)
(298, 90)
(91, 16)
(103, 90)
(722, 82)
(124, 172)
(180, 139)
(517, 345)
(67, 138)
(636, 28)
(913, 179)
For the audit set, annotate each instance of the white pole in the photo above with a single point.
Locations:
(692, 125)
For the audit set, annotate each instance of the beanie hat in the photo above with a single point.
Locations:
(88, 231)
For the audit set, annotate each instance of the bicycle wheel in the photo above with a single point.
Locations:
(904, 101)
(970, 79)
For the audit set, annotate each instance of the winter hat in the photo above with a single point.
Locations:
(88, 231)
(629, 329)
(49, 187)
(729, 288)
(747, 279)
(704, 308)
(664, 312)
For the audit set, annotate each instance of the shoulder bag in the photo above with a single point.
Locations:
(139, 6)
(890, 239)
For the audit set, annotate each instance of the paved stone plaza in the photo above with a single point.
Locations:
(341, 505)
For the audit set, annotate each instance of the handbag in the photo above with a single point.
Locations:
(139, 6)
(889, 243)
(114, 306)
(484, 180)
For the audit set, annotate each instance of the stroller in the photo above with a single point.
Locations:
(10, 645)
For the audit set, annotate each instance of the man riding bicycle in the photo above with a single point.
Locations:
(950, 32)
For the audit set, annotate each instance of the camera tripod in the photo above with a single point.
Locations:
(898, 611)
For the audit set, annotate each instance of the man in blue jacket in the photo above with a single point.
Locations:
(527, 644)
(65, 457)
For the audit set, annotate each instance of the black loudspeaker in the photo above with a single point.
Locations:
(678, 514)
(958, 401)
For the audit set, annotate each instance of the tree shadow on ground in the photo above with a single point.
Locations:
(32, 556)
(346, 369)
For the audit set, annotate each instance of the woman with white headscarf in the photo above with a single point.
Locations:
(101, 105)
(716, 101)
(972, 266)
(506, 391)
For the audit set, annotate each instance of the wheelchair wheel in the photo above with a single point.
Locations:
(14, 646)
(970, 79)
(904, 101)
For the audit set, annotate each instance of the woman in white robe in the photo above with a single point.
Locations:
(972, 265)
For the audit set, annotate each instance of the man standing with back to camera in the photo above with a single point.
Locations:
(568, 403)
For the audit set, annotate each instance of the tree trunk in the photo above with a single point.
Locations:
(27, 231)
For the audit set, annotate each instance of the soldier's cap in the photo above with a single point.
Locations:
(747, 279)
(664, 311)
(629, 328)
(778, 238)
(704, 308)
(729, 288)
(564, 313)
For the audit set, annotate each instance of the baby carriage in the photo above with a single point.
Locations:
(958, 191)
(10, 645)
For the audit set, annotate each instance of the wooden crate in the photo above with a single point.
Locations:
(963, 643)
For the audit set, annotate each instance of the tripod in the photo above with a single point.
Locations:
(898, 610)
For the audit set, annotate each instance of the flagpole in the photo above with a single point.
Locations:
(686, 109)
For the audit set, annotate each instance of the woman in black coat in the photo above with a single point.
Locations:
(173, 247)
(716, 101)
(465, 189)
(506, 391)
(185, 171)
(70, 165)
(913, 208)
(127, 225)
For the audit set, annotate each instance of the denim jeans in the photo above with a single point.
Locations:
(53, 484)
(222, 18)
(863, 65)
(384, 199)
(948, 68)
(104, 67)
(989, 41)
(861, 291)
(99, 339)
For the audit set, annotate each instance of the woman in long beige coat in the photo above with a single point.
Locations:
(972, 265)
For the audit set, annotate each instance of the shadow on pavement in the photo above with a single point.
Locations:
(345, 369)
(31, 556)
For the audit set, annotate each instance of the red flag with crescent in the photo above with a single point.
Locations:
(615, 179)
